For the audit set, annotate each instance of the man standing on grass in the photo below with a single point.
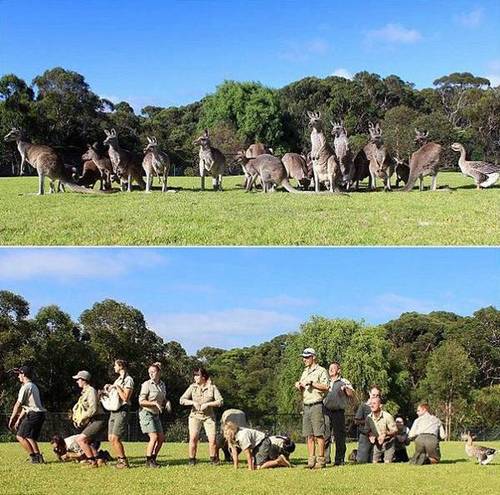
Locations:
(28, 415)
(335, 403)
(313, 385)
(426, 430)
(381, 432)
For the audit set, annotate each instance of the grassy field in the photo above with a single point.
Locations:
(455, 475)
(459, 216)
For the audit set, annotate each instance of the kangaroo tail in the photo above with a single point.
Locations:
(411, 181)
(289, 187)
(84, 190)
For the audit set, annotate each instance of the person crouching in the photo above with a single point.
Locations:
(256, 446)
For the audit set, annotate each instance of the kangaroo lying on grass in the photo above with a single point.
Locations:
(46, 162)
(126, 165)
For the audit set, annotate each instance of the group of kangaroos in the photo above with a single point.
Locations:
(326, 169)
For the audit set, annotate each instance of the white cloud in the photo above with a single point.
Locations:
(226, 328)
(471, 19)
(70, 263)
(340, 72)
(299, 52)
(391, 305)
(394, 33)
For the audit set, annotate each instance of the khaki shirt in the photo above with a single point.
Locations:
(336, 399)
(89, 403)
(202, 394)
(383, 425)
(248, 438)
(316, 374)
(125, 382)
(427, 423)
(29, 398)
(152, 391)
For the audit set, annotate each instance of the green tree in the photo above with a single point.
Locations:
(399, 131)
(448, 383)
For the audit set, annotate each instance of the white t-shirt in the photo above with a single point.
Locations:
(72, 445)
(29, 398)
(248, 438)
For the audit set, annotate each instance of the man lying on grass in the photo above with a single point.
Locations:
(255, 445)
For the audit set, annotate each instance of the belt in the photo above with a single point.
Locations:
(313, 404)
(431, 434)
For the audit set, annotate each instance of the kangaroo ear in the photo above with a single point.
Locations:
(107, 132)
(113, 132)
(206, 133)
(310, 114)
(149, 139)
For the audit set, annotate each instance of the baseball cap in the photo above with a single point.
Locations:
(84, 375)
(308, 352)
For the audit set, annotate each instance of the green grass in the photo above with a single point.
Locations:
(462, 216)
(455, 475)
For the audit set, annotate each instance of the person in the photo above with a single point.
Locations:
(401, 441)
(256, 446)
(152, 402)
(118, 420)
(28, 415)
(281, 445)
(313, 385)
(426, 430)
(89, 416)
(238, 417)
(381, 432)
(365, 449)
(203, 396)
(335, 403)
(67, 449)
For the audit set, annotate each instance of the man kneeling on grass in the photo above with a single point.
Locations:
(255, 445)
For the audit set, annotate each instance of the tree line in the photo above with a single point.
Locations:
(450, 361)
(60, 109)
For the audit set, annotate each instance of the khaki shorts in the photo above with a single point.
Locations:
(118, 423)
(149, 422)
(195, 425)
(313, 421)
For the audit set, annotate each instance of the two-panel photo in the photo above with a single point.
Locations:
(249, 246)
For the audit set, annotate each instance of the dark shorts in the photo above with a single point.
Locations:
(31, 425)
(426, 445)
(95, 428)
(262, 452)
(313, 421)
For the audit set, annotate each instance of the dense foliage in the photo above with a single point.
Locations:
(449, 360)
(60, 109)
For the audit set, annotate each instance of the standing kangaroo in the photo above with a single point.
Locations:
(325, 166)
(212, 161)
(380, 163)
(103, 164)
(155, 162)
(344, 154)
(126, 165)
(424, 161)
(46, 162)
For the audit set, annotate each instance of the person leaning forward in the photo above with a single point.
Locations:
(313, 385)
(382, 429)
(426, 430)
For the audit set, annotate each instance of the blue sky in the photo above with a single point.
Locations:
(237, 297)
(174, 52)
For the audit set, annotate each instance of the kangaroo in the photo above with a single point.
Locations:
(269, 169)
(343, 153)
(46, 162)
(157, 163)
(253, 151)
(212, 161)
(296, 168)
(325, 167)
(424, 161)
(402, 171)
(89, 176)
(103, 164)
(380, 163)
(126, 165)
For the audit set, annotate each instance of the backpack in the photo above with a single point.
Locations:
(110, 400)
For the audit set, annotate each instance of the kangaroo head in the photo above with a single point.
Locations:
(13, 135)
(421, 137)
(315, 120)
(111, 138)
(203, 140)
(375, 133)
(152, 144)
(338, 129)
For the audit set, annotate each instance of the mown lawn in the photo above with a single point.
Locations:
(458, 216)
(455, 475)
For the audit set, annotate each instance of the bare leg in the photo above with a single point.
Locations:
(117, 445)
(151, 447)
(84, 443)
(193, 445)
(321, 446)
(160, 439)
(311, 446)
(212, 446)
(281, 461)
(26, 445)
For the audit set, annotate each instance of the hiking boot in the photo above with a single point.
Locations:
(214, 461)
(122, 463)
(311, 462)
(192, 462)
(90, 464)
(105, 456)
(34, 459)
(101, 462)
(40, 458)
(151, 463)
(283, 461)
(320, 463)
